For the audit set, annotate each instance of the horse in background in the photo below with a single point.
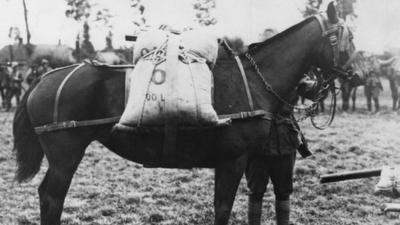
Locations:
(360, 66)
(390, 68)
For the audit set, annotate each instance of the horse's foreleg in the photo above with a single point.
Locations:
(64, 153)
(227, 179)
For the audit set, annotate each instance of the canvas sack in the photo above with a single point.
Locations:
(171, 79)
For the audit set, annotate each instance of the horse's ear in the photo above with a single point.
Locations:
(332, 14)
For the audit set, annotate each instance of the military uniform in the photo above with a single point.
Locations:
(44, 67)
(278, 158)
(373, 87)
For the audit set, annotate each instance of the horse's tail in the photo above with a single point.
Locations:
(28, 150)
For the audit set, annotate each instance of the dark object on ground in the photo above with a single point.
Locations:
(350, 175)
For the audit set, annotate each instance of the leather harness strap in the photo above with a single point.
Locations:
(74, 124)
(171, 103)
(57, 99)
(245, 82)
(250, 114)
(113, 120)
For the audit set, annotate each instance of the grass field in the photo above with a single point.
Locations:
(110, 190)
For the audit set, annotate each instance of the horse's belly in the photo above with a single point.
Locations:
(201, 148)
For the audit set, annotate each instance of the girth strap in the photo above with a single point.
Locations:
(74, 124)
(245, 82)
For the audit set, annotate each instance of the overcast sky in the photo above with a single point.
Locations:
(377, 22)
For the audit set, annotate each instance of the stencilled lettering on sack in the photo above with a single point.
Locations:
(155, 97)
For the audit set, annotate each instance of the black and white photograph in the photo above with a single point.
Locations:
(199, 112)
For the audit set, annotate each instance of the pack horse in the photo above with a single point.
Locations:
(71, 107)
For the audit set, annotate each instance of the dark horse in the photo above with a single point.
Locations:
(389, 71)
(360, 66)
(93, 92)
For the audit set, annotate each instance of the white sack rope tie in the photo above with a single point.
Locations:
(158, 55)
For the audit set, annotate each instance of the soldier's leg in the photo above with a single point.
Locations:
(395, 93)
(257, 180)
(368, 96)
(353, 97)
(395, 98)
(375, 97)
(376, 100)
(282, 179)
(398, 104)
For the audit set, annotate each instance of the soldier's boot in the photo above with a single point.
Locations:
(254, 210)
(377, 105)
(369, 104)
(386, 182)
(282, 211)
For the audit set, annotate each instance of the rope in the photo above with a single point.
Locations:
(159, 55)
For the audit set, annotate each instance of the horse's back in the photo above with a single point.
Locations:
(71, 91)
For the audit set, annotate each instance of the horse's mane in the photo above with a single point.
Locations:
(255, 46)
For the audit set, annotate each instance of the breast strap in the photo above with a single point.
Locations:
(245, 82)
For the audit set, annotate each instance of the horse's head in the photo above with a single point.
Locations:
(337, 45)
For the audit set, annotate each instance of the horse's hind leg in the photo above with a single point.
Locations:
(227, 179)
(64, 151)
(3, 98)
(17, 98)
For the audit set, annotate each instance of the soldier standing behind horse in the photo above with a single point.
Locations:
(14, 86)
(277, 162)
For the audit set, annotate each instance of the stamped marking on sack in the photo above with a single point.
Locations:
(154, 97)
(158, 76)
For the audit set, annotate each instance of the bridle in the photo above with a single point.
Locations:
(334, 33)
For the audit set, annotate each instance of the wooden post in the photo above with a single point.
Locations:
(350, 175)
